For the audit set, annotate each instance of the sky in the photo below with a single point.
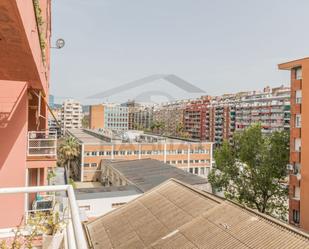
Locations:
(221, 46)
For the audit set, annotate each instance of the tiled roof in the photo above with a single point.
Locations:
(149, 173)
(175, 215)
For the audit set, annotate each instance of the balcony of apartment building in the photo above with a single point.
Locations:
(30, 232)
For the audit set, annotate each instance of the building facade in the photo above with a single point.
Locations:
(194, 157)
(27, 148)
(299, 143)
(109, 116)
(216, 119)
(169, 117)
(71, 115)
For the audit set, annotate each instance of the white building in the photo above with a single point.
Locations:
(71, 115)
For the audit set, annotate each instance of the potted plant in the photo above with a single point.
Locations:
(51, 224)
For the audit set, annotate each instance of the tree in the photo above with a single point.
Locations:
(85, 122)
(69, 152)
(251, 170)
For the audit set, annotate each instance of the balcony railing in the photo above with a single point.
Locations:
(74, 236)
(42, 143)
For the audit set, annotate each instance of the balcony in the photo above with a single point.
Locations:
(296, 109)
(74, 236)
(42, 144)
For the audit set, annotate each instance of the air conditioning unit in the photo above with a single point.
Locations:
(289, 167)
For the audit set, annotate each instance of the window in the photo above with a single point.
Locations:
(196, 161)
(136, 152)
(191, 161)
(179, 162)
(143, 152)
(118, 204)
(185, 161)
(129, 152)
(149, 152)
(298, 97)
(296, 216)
(202, 171)
(173, 162)
(108, 153)
(297, 143)
(298, 73)
(296, 192)
(87, 153)
(196, 171)
(191, 170)
(179, 151)
(101, 153)
(122, 152)
(116, 152)
(85, 207)
(93, 164)
(86, 164)
(297, 120)
(93, 153)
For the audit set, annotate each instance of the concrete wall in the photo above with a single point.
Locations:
(13, 144)
(102, 206)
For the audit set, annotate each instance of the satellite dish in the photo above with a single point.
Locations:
(60, 43)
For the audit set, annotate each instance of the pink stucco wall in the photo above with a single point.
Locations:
(27, 15)
(13, 144)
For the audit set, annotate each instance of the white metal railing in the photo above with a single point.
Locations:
(42, 143)
(75, 237)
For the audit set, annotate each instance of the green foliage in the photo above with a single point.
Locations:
(68, 152)
(48, 222)
(157, 126)
(40, 25)
(252, 169)
(85, 122)
(71, 182)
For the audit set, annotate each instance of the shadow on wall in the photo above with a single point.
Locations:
(13, 121)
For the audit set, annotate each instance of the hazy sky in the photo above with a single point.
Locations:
(220, 46)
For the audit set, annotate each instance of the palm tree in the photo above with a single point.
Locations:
(68, 152)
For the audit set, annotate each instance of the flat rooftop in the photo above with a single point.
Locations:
(176, 215)
(87, 136)
(146, 174)
(106, 192)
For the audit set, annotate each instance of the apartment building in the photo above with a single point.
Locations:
(170, 116)
(270, 107)
(71, 115)
(27, 148)
(195, 118)
(142, 118)
(109, 116)
(217, 118)
(299, 143)
(139, 115)
(194, 157)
